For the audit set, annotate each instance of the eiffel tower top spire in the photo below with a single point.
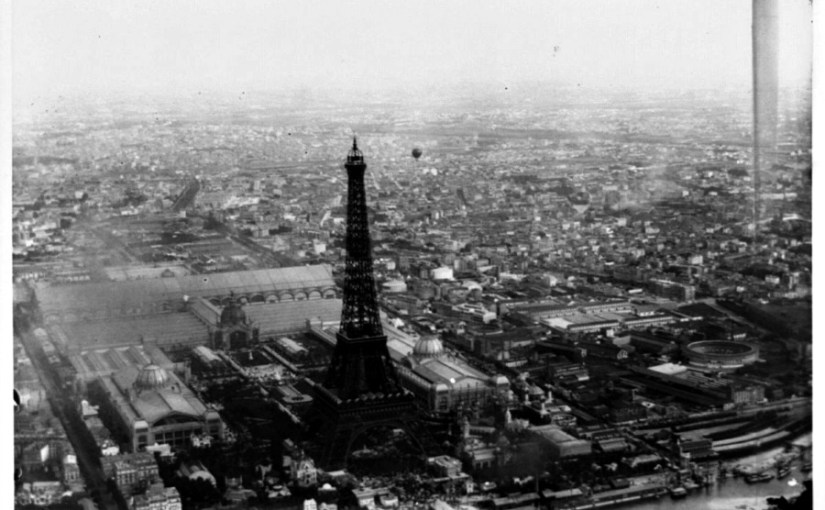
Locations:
(355, 155)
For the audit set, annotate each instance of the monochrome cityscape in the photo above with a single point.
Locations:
(533, 291)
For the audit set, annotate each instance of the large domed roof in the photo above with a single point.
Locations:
(428, 347)
(151, 377)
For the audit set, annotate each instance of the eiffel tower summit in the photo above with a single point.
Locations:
(361, 390)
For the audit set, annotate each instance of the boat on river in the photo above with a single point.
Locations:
(759, 477)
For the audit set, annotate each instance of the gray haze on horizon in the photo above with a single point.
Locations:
(106, 47)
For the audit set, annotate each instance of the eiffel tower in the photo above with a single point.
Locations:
(361, 390)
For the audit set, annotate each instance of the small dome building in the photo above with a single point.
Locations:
(151, 377)
(428, 347)
(233, 313)
(150, 404)
(234, 329)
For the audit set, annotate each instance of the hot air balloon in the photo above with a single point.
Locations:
(416, 153)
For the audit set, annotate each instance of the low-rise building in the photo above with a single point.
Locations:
(71, 471)
(304, 473)
(130, 470)
(444, 466)
(562, 445)
(195, 470)
(157, 497)
(40, 493)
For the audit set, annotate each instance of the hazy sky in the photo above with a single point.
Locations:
(106, 45)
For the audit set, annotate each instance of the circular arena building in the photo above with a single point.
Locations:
(721, 354)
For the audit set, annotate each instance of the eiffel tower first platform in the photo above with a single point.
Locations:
(361, 390)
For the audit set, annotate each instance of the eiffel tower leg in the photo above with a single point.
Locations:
(337, 447)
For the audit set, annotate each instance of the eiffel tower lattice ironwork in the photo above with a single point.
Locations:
(361, 390)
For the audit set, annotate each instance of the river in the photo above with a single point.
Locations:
(734, 493)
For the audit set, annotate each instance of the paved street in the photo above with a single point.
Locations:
(64, 409)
